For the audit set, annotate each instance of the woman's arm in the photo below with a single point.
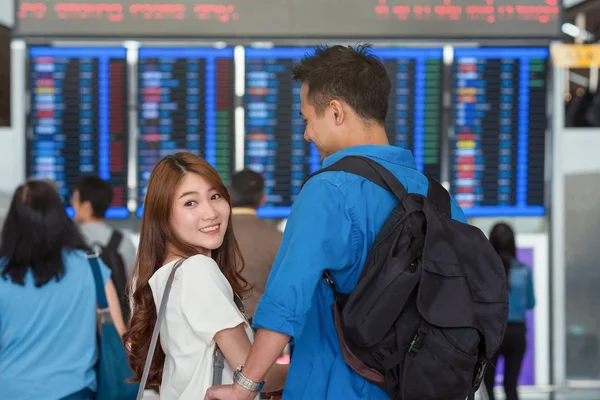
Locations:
(235, 345)
(114, 307)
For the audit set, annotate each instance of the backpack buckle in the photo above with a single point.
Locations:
(415, 345)
(480, 373)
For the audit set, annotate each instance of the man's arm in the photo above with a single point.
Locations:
(319, 235)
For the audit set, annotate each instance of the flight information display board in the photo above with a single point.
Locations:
(498, 150)
(290, 18)
(186, 103)
(78, 119)
(414, 119)
(274, 142)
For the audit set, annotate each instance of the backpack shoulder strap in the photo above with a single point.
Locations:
(370, 170)
(101, 301)
(439, 197)
(159, 320)
(115, 240)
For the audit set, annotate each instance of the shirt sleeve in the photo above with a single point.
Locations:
(319, 235)
(530, 293)
(206, 297)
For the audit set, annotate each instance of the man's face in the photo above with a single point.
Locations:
(321, 130)
(83, 211)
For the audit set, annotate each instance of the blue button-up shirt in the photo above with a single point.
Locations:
(332, 226)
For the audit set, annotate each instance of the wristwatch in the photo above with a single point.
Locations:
(246, 383)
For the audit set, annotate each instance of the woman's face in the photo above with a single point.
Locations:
(200, 214)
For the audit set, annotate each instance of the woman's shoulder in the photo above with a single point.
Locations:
(520, 270)
(200, 270)
(73, 254)
(197, 271)
(519, 265)
(199, 260)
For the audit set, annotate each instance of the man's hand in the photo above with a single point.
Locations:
(229, 392)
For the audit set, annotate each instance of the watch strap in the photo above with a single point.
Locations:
(246, 383)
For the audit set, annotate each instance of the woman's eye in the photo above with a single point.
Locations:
(190, 203)
(215, 196)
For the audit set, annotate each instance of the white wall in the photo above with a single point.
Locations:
(7, 12)
(580, 150)
(12, 139)
(10, 162)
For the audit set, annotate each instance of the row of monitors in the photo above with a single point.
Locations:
(186, 101)
(289, 18)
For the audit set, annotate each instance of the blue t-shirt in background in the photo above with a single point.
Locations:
(520, 296)
(48, 335)
(333, 224)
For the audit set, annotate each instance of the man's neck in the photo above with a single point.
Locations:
(93, 221)
(373, 135)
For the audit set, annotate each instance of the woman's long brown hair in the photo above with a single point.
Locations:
(155, 237)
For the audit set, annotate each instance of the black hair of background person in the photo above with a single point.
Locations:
(246, 188)
(36, 231)
(95, 190)
(502, 238)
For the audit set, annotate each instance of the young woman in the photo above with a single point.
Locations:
(520, 299)
(187, 214)
(48, 326)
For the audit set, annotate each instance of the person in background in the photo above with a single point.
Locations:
(332, 226)
(520, 299)
(48, 330)
(187, 218)
(258, 240)
(91, 198)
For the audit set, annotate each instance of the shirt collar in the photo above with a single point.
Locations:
(393, 154)
(243, 211)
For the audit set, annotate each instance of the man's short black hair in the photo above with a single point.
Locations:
(97, 191)
(346, 73)
(247, 188)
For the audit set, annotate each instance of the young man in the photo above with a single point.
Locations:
(91, 198)
(332, 226)
(258, 240)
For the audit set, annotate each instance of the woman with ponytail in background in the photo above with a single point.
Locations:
(520, 299)
(187, 216)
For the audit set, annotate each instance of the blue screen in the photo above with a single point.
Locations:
(497, 153)
(78, 119)
(186, 103)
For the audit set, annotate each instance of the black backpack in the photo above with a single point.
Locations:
(112, 258)
(431, 304)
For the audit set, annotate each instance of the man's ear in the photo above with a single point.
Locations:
(337, 111)
(263, 200)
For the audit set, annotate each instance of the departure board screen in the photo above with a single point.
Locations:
(274, 142)
(77, 121)
(186, 103)
(414, 119)
(290, 18)
(498, 150)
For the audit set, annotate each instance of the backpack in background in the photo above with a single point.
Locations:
(431, 304)
(112, 258)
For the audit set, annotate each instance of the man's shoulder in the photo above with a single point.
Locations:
(412, 179)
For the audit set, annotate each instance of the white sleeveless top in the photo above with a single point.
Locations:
(200, 305)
